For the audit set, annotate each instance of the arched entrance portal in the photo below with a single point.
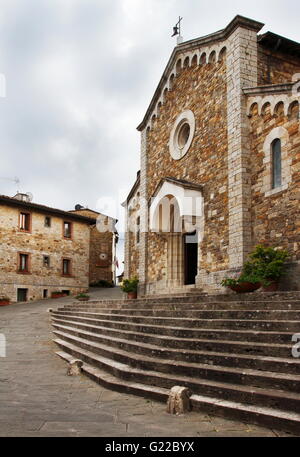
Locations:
(176, 215)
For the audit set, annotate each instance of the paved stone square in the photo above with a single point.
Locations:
(37, 398)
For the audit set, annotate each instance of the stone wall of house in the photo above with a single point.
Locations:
(276, 67)
(101, 247)
(275, 213)
(42, 241)
(133, 233)
(203, 90)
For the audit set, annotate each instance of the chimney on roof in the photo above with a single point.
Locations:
(78, 207)
(24, 197)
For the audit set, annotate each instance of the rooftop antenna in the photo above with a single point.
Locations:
(177, 31)
(15, 180)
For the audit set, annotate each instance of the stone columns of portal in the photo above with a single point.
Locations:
(175, 259)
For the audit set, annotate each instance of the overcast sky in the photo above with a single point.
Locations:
(79, 77)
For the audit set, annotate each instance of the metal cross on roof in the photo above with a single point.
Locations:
(177, 29)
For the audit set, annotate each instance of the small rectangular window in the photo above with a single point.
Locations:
(47, 221)
(66, 267)
(24, 222)
(46, 261)
(23, 263)
(67, 229)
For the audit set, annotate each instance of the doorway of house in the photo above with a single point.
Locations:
(22, 295)
(190, 257)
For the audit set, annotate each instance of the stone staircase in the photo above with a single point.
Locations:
(234, 352)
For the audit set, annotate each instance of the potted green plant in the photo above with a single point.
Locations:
(82, 297)
(270, 265)
(243, 284)
(264, 268)
(4, 300)
(130, 286)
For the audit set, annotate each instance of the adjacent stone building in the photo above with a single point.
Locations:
(103, 244)
(220, 161)
(44, 250)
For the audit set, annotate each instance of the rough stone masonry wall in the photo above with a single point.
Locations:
(203, 90)
(100, 243)
(133, 212)
(143, 248)
(40, 242)
(276, 216)
(276, 67)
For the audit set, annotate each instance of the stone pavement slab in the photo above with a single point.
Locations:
(37, 398)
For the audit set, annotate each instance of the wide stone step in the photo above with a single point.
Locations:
(203, 314)
(230, 324)
(206, 298)
(256, 378)
(273, 398)
(183, 306)
(124, 341)
(282, 420)
(238, 335)
(139, 333)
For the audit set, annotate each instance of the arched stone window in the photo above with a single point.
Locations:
(138, 230)
(276, 164)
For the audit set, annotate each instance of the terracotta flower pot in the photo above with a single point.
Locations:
(245, 287)
(131, 295)
(273, 287)
(4, 302)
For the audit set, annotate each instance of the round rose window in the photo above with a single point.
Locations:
(182, 135)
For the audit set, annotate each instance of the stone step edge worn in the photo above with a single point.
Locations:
(205, 341)
(178, 379)
(183, 303)
(235, 371)
(213, 330)
(205, 311)
(78, 313)
(69, 315)
(61, 322)
(255, 415)
(129, 322)
(279, 295)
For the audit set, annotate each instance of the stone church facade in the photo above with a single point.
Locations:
(220, 162)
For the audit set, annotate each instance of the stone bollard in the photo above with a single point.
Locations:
(179, 400)
(74, 368)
